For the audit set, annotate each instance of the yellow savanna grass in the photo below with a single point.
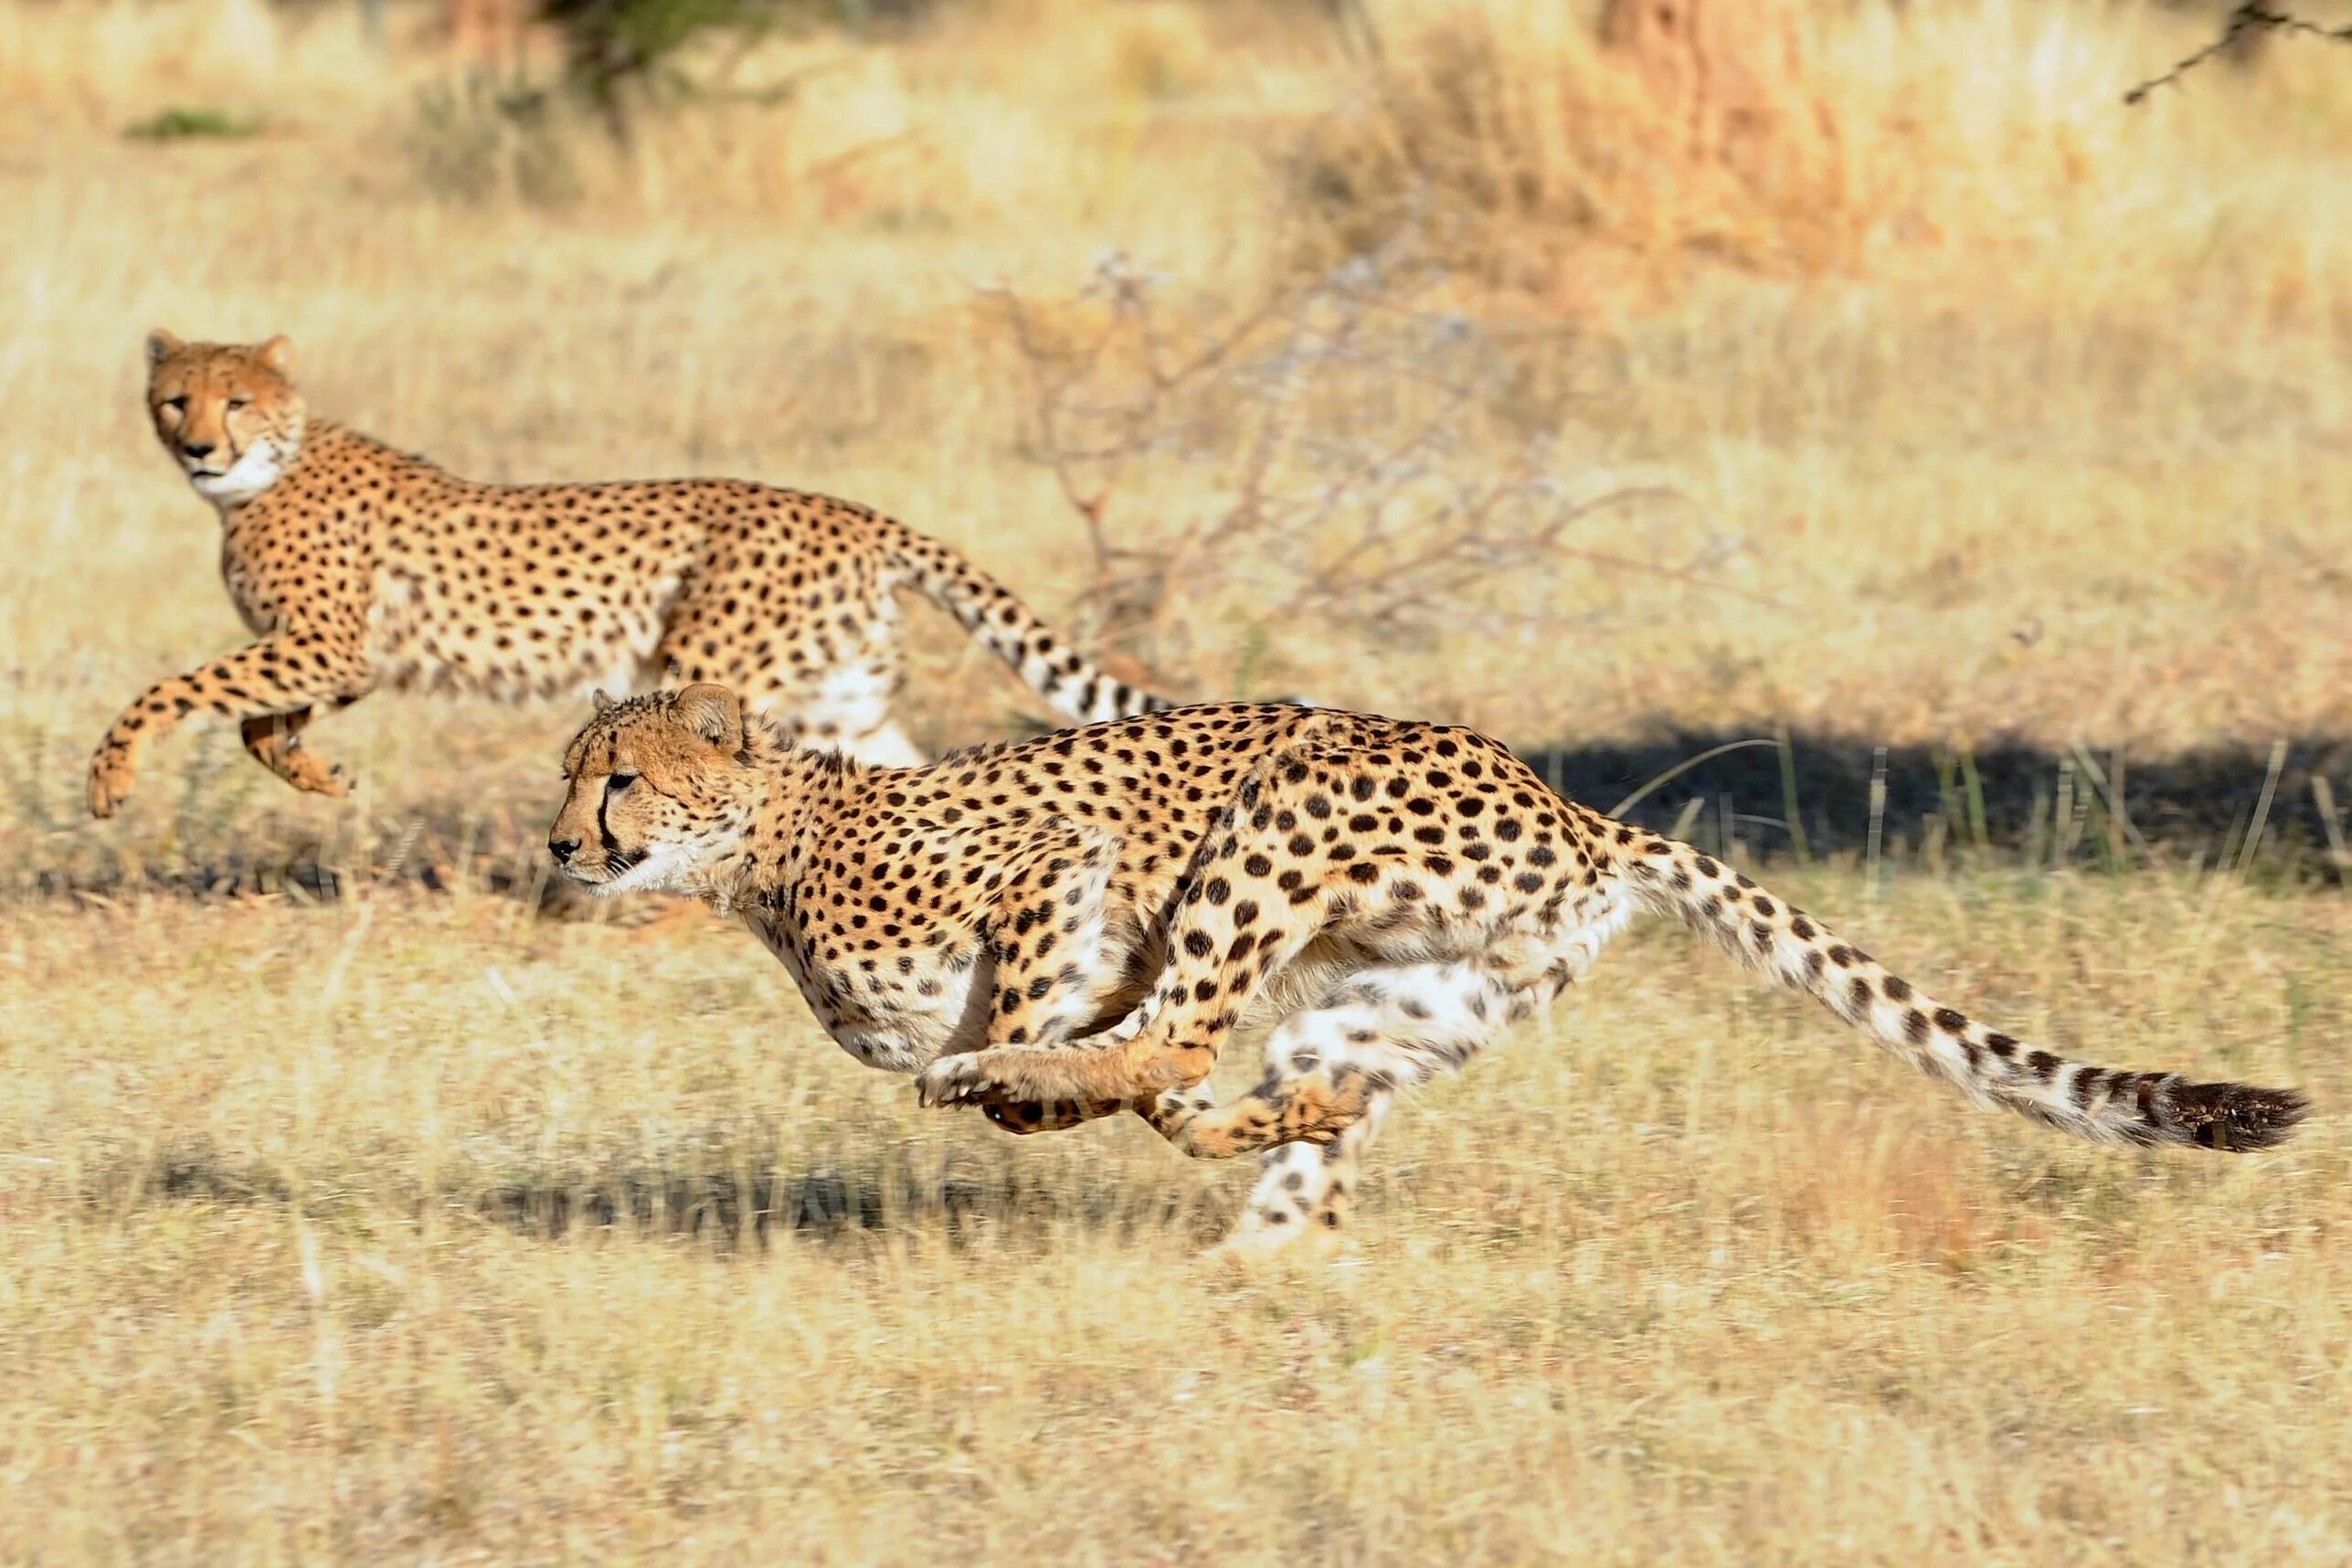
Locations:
(2031, 426)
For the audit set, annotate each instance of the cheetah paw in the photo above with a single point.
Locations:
(958, 1080)
(318, 778)
(111, 773)
(1253, 1245)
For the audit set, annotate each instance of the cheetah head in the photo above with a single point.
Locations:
(658, 790)
(228, 413)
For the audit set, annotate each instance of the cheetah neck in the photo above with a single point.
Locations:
(309, 447)
(798, 800)
(306, 446)
(257, 470)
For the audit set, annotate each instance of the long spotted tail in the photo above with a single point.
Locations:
(2102, 1104)
(1007, 628)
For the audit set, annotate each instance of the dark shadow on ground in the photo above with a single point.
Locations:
(1753, 798)
(753, 1204)
(1756, 796)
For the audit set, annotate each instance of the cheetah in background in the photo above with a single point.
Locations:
(358, 566)
(1075, 925)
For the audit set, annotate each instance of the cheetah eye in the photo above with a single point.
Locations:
(616, 783)
(176, 405)
(237, 403)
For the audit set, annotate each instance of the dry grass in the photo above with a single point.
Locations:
(1681, 1274)
(2029, 426)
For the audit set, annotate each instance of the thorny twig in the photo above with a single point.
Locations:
(1348, 436)
(2249, 18)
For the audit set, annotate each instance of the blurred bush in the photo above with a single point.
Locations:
(177, 124)
(623, 55)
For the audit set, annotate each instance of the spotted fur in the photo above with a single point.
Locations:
(1078, 924)
(358, 567)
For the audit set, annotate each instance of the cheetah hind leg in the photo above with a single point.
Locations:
(1303, 1192)
(1301, 1110)
(1333, 1073)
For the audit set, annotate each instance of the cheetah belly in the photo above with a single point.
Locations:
(428, 636)
(851, 701)
(898, 1027)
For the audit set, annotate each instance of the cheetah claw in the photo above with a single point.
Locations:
(958, 1080)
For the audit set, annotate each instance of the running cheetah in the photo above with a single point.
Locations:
(358, 566)
(1074, 926)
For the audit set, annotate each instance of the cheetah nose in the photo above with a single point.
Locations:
(198, 448)
(563, 850)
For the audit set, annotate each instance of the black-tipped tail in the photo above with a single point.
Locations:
(1007, 628)
(1993, 1068)
(2237, 1119)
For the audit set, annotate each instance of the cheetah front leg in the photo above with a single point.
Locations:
(1051, 966)
(1022, 1118)
(1246, 912)
(275, 741)
(280, 674)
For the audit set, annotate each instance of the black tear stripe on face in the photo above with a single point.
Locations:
(604, 830)
(616, 858)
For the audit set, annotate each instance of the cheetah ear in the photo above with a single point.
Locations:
(600, 702)
(713, 713)
(161, 347)
(277, 356)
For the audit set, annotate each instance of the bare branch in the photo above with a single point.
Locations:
(1338, 453)
(2248, 18)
